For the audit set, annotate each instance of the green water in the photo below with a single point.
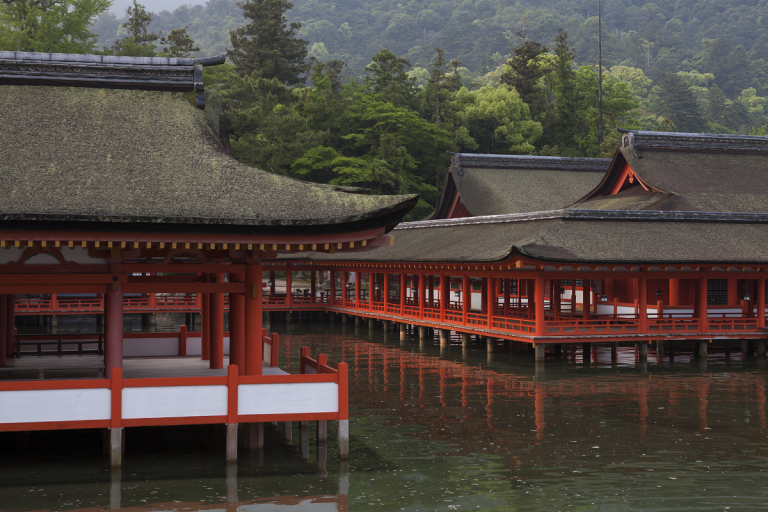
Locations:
(444, 430)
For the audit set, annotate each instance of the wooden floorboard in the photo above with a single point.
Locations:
(86, 367)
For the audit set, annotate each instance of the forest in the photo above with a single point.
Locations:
(373, 93)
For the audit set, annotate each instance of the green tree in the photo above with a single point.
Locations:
(498, 120)
(716, 105)
(267, 43)
(679, 104)
(389, 78)
(525, 71)
(178, 43)
(140, 42)
(59, 26)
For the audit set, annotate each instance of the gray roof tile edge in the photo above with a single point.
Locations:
(596, 215)
(555, 163)
(102, 60)
(705, 142)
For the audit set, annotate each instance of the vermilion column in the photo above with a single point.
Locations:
(217, 326)
(332, 289)
(385, 298)
(643, 309)
(539, 306)
(3, 330)
(491, 297)
(402, 292)
(113, 324)
(205, 328)
(531, 285)
(761, 301)
(237, 326)
(507, 287)
(573, 297)
(10, 324)
(586, 299)
(556, 298)
(422, 294)
(466, 296)
(288, 288)
(253, 342)
(444, 295)
(358, 285)
(344, 288)
(674, 292)
(701, 299)
(733, 292)
(312, 284)
(484, 295)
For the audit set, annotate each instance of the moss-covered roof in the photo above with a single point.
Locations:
(576, 240)
(116, 156)
(705, 181)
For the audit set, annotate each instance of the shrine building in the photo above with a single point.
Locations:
(113, 181)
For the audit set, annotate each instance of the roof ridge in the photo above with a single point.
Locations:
(545, 163)
(699, 142)
(597, 215)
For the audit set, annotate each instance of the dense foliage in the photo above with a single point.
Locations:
(373, 93)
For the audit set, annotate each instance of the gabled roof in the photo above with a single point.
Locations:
(688, 172)
(506, 184)
(146, 161)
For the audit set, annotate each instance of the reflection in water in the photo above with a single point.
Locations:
(445, 429)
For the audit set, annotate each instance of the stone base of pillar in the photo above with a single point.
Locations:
(343, 439)
(232, 442)
(761, 348)
(614, 352)
(344, 318)
(322, 431)
(288, 317)
(642, 351)
(116, 446)
(490, 344)
(304, 440)
(358, 321)
(385, 325)
(403, 332)
(586, 352)
(660, 349)
(539, 352)
(253, 434)
(464, 340)
(703, 348)
(288, 431)
(333, 316)
(422, 333)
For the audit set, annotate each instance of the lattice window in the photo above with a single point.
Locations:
(717, 292)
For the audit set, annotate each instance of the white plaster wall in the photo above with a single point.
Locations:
(134, 347)
(290, 398)
(193, 346)
(32, 406)
(174, 401)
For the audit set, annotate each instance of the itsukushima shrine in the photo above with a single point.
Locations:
(113, 181)
(107, 192)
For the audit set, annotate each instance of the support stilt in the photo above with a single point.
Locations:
(614, 352)
(371, 324)
(703, 348)
(304, 438)
(490, 344)
(288, 431)
(642, 351)
(761, 349)
(464, 340)
(422, 333)
(231, 442)
(343, 439)
(322, 431)
(358, 321)
(586, 352)
(538, 351)
(254, 436)
(403, 332)
(116, 447)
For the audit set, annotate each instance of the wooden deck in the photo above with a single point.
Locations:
(90, 366)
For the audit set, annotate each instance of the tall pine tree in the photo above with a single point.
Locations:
(679, 104)
(267, 44)
(524, 71)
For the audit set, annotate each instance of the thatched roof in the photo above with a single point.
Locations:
(102, 159)
(506, 184)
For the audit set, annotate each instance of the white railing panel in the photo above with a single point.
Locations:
(42, 405)
(174, 401)
(289, 398)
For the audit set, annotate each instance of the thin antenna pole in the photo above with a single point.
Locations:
(599, 78)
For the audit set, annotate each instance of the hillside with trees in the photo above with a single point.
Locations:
(373, 93)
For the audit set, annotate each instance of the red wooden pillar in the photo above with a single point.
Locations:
(643, 309)
(556, 298)
(484, 295)
(733, 292)
(217, 326)
(701, 300)
(674, 292)
(573, 297)
(205, 328)
(113, 324)
(371, 290)
(10, 324)
(530, 284)
(466, 296)
(539, 306)
(358, 285)
(586, 299)
(445, 295)
(422, 294)
(332, 289)
(491, 297)
(312, 284)
(4, 341)
(288, 288)
(402, 292)
(344, 288)
(385, 298)
(760, 301)
(237, 326)
(253, 323)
